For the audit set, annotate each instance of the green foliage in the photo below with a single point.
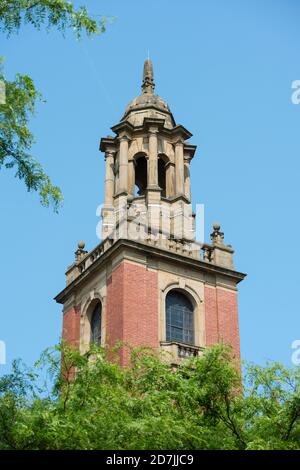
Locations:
(16, 139)
(198, 405)
(52, 13)
(19, 97)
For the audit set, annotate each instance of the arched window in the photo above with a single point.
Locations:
(179, 318)
(140, 175)
(162, 176)
(96, 325)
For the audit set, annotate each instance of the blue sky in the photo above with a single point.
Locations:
(226, 70)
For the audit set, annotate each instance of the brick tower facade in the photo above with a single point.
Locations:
(149, 283)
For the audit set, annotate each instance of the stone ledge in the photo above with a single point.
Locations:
(153, 251)
(178, 351)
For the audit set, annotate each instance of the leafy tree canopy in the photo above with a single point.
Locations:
(58, 13)
(18, 98)
(198, 405)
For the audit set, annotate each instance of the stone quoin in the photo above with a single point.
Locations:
(149, 282)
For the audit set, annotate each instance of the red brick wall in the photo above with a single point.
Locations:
(71, 326)
(71, 334)
(115, 306)
(132, 312)
(211, 316)
(221, 317)
(132, 307)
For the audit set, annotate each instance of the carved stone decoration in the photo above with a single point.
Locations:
(216, 236)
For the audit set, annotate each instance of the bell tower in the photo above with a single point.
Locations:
(149, 282)
(147, 185)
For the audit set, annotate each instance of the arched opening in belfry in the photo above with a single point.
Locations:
(140, 182)
(161, 168)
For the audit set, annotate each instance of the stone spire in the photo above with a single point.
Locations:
(148, 84)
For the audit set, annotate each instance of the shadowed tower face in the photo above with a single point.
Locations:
(152, 283)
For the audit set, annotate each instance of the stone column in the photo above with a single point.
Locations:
(109, 177)
(123, 165)
(187, 179)
(179, 168)
(170, 179)
(153, 157)
(131, 177)
(107, 212)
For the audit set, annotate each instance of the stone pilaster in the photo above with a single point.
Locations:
(153, 159)
(187, 179)
(108, 209)
(109, 177)
(123, 165)
(170, 179)
(131, 177)
(179, 168)
(153, 190)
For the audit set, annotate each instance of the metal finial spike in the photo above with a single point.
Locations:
(148, 78)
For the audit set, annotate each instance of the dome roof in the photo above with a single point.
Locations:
(147, 100)
(148, 104)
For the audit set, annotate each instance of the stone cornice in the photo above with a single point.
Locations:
(156, 252)
(180, 197)
(107, 143)
(123, 126)
(142, 107)
(189, 150)
(153, 122)
(176, 132)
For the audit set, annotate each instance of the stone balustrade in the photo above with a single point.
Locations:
(85, 259)
(176, 351)
(192, 249)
